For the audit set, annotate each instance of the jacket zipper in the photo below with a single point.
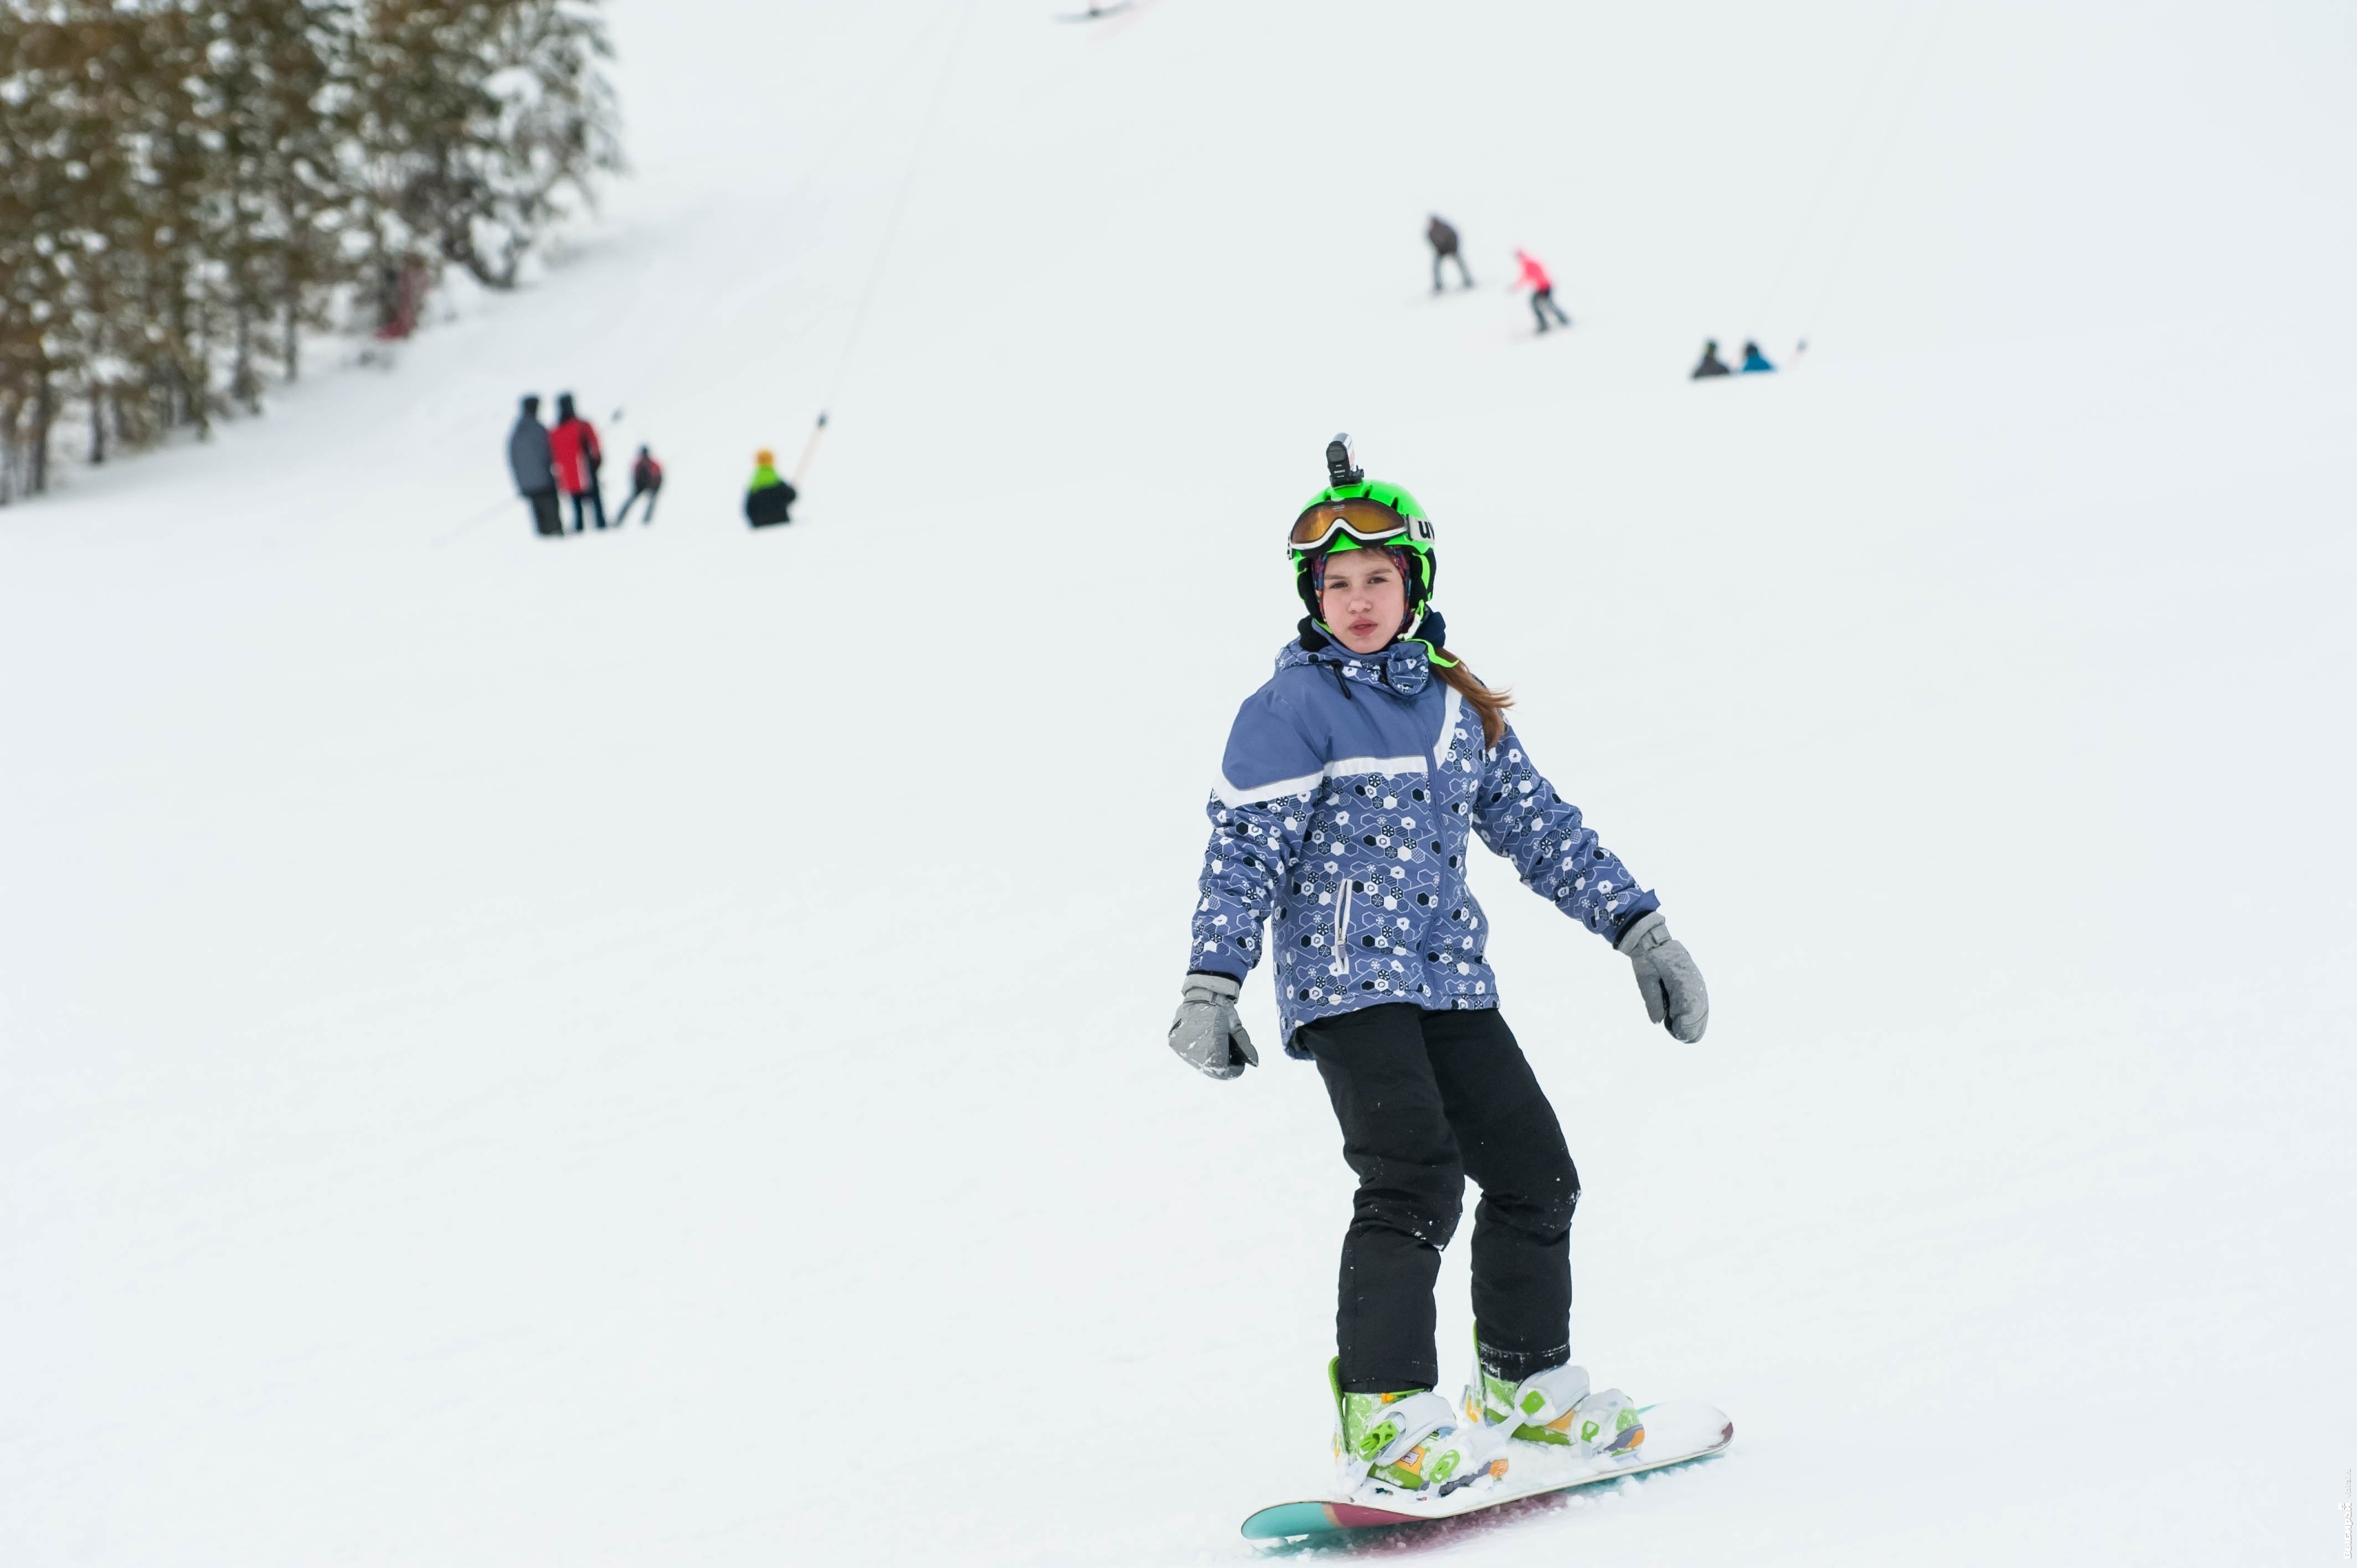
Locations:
(1342, 964)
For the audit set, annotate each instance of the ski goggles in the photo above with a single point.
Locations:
(1368, 522)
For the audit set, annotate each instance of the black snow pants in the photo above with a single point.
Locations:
(589, 501)
(1439, 256)
(1542, 300)
(547, 518)
(1426, 1099)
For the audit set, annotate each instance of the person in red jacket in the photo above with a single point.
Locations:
(646, 479)
(573, 448)
(1541, 290)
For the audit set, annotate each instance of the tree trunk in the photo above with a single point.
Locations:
(36, 474)
(97, 421)
(206, 347)
(293, 335)
(193, 389)
(244, 385)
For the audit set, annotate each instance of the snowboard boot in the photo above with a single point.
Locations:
(1556, 1406)
(1411, 1442)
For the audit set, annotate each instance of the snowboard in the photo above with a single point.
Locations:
(1676, 1432)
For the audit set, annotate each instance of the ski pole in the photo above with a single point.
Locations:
(801, 469)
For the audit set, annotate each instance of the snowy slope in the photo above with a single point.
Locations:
(649, 1049)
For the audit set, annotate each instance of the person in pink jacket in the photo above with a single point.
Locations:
(1542, 289)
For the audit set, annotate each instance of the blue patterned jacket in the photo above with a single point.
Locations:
(1342, 812)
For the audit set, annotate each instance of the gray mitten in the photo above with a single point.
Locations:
(1207, 1033)
(1666, 974)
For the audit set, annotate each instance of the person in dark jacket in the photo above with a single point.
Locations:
(769, 494)
(573, 446)
(1443, 247)
(1712, 365)
(646, 479)
(1755, 363)
(535, 471)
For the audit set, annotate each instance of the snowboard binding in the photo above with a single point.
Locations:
(1556, 1407)
(1411, 1444)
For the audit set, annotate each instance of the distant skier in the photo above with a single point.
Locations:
(768, 496)
(1712, 365)
(1755, 363)
(1354, 786)
(646, 479)
(573, 442)
(1444, 249)
(1542, 287)
(535, 473)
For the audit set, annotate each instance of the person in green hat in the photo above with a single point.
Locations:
(1354, 785)
(769, 494)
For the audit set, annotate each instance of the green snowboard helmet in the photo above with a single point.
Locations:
(1354, 513)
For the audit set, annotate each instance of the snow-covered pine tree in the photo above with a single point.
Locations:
(270, 104)
(184, 185)
(478, 119)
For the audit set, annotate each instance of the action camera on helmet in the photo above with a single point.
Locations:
(1341, 463)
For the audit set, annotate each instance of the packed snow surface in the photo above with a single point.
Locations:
(519, 1052)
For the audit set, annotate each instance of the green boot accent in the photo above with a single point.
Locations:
(1556, 1406)
(1406, 1439)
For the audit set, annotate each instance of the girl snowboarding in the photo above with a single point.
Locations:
(1352, 784)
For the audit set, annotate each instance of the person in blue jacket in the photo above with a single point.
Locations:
(1352, 786)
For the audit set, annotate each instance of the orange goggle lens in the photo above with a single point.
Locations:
(1370, 522)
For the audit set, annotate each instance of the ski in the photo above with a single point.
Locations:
(1677, 1432)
